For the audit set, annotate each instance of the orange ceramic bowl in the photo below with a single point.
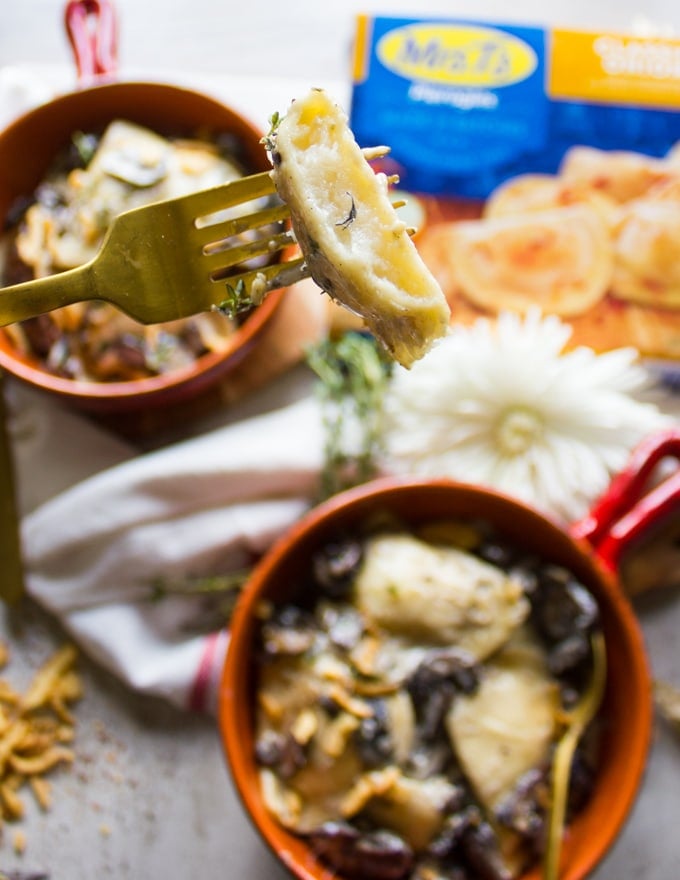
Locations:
(26, 149)
(627, 706)
(29, 145)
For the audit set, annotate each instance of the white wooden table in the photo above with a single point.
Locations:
(298, 38)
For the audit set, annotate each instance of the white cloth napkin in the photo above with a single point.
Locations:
(208, 505)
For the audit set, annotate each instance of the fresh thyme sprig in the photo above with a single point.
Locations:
(353, 374)
(238, 300)
(269, 140)
(351, 216)
(219, 594)
(206, 585)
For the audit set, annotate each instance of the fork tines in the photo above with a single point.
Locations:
(239, 222)
(227, 195)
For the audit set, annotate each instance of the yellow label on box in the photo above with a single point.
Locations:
(614, 69)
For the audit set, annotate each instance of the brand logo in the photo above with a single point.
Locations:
(457, 55)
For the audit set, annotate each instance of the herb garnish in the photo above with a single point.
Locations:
(353, 375)
(351, 217)
(85, 145)
(269, 140)
(219, 594)
(238, 300)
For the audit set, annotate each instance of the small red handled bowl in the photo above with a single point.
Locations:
(590, 550)
(29, 145)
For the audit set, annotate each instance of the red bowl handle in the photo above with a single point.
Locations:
(91, 28)
(625, 512)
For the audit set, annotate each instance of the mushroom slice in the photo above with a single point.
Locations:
(402, 725)
(287, 686)
(356, 247)
(280, 800)
(132, 154)
(376, 855)
(646, 268)
(506, 728)
(438, 594)
(558, 259)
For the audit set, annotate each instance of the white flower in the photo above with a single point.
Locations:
(502, 404)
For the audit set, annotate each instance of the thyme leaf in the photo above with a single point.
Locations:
(351, 217)
(269, 140)
(218, 593)
(194, 586)
(86, 146)
(353, 374)
(237, 301)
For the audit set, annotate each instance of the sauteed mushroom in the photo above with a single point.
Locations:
(377, 855)
(400, 755)
(96, 177)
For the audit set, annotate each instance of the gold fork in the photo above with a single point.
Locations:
(168, 260)
(577, 720)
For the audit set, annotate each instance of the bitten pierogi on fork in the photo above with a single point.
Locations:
(356, 247)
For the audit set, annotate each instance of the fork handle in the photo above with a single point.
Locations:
(40, 295)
